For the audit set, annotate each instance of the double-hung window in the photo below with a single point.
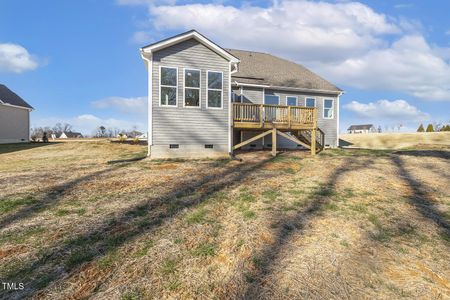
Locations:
(291, 101)
(271, 99)
(215, 89)
(310, 102)
(168, 86)
(191, 88)
(328, 107)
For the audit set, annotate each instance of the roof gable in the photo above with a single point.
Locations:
(265, 69)
(8, 97)
(192, 34)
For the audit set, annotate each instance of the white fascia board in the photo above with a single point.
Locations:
(283, 88)
(187, 36)
(15, 106)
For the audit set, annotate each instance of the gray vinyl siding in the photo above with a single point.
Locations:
(252, 95)
(186, 125)
(328, 126)
(14, 124)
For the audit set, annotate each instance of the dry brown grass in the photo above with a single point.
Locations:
(394, 140)
(343, 224)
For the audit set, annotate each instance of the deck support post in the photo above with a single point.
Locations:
(313, 141)
(274, 142)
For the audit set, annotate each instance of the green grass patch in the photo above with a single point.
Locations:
(205, 250)
(78, 257)
(173, 285)
(144, 250)
(271, 194)
(111, 258)
(169, 266)
(249, 214)
(7, 205)
(198, 217)
(23, 236)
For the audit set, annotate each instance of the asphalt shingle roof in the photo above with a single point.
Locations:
(266, 69)
(9, 97)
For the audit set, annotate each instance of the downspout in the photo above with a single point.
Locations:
(338, 117)
(230, 109)
(150, 103)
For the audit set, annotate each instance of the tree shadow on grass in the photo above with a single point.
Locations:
(420, 198)
(147, 216)
(295, 224)
(52, 197)
(425, 153)
(9, 148)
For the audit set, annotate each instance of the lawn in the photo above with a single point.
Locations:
(80, 220)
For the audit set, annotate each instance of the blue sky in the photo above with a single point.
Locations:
(78, 61)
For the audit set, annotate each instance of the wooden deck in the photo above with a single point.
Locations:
(263, 116)
(300, 121)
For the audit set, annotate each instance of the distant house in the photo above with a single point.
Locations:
(14, 117)
(368, 128)
(69, 135)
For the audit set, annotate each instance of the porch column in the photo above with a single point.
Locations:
(313, 141)
(274, 142)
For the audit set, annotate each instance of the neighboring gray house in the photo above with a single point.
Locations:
(368, 128)
(207, 101)
(14, 117)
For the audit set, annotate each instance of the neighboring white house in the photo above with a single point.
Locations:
(368, 128)
(69, 135)
(14, 117)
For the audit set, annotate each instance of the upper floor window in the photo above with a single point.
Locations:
(215, 89)
(191, 88)
(310, 102)
(168, 86)
(271, 99)
(328, 107)
(291, 101)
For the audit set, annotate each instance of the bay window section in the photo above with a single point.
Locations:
(215, 89)
(328, 107)
(191, 88)
(168, 86)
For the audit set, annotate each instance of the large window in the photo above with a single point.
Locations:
(168, 86)
(271, 99)
(291, 101)
(328, 106)
(310, 102)
(191, 88)
(214, 94)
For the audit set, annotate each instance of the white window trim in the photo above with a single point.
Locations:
(160, 85)
(187, 87)
(296, 100)
(332, 108)
(271, 95)
(208, 89)
(315, 101)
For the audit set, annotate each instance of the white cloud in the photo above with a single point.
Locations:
(322, 31)
(397, 110)
(88, 123)
(15, 58)
(346, 42)
(137, 105)
(409, 65)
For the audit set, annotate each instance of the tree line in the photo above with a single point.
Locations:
(431, 128)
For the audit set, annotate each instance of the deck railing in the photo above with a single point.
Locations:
(263, 115)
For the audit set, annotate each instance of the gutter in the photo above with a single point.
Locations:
(287, 88)
(149, 64)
